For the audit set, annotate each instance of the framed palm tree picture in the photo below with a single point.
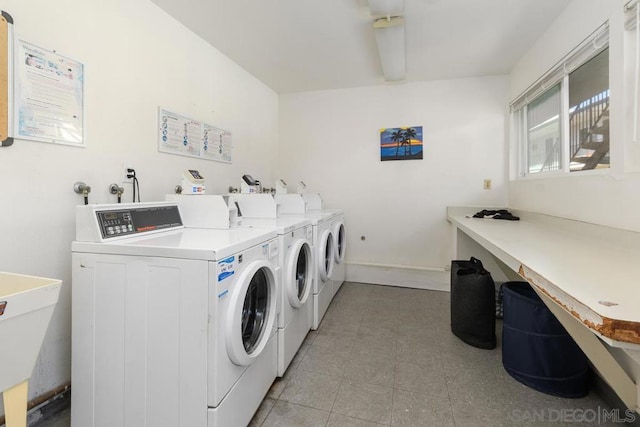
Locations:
(404, 143)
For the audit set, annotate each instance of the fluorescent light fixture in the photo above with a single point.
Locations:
(390, 39)
(386, 8)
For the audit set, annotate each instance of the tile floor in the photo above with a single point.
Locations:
(386, 356)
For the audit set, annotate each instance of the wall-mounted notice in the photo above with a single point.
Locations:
(216, 144)
(182, 135)
(48, 96)
(178, 134)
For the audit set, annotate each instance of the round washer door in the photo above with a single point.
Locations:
(298, 275)
(325, 255)
(340, 241)
(252, 312)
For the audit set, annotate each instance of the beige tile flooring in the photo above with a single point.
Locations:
(386, 356)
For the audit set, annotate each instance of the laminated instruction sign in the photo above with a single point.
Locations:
(216, 144)
(49, 96)
(186, 136)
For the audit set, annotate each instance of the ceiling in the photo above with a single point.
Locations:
(306, 45)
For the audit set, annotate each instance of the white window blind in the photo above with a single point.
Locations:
(597, 41)
(631, 15)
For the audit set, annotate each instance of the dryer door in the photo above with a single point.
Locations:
(340, 241)
(252, 312)
(298, 274)
(326, 256)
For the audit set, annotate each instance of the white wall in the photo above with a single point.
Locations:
(136, 58)
(609, 198)
(330, 140)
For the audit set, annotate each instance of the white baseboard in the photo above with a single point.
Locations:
(397, 275)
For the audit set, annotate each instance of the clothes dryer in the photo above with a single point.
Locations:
(324, 259)
(314, 203)
(340, 241)
(296, 261)
(170, 326)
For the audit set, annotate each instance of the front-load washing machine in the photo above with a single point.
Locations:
(340, 241)
(297, 265)
(295, 205)
(314, 203)
(324, 263)
(295, 257)
(336, 219)
(170, 326)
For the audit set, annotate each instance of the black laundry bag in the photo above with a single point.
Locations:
(473, 304)
(536, 349)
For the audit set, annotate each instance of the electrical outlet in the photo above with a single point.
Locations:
(125, 168)
(486, 184)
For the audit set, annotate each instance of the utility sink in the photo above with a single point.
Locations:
(26, 306)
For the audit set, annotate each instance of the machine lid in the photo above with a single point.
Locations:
(283, 225)
(187, 243)
(325, 213)
(315, 217)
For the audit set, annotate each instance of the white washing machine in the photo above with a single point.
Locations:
(296, 261)
(308, 206)
(170, 326)
(314, 204)
(336, 218)
(340, 241)
(297, 265)
(324, 263)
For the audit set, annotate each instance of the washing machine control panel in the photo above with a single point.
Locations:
(134, 221)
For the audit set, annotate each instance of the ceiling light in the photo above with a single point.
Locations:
(390, 38)
(386, 8)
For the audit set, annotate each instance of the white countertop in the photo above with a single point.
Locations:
(588, 269)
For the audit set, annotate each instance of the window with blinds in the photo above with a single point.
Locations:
(543, 132)
(561, 122)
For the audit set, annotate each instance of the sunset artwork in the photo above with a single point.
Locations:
(403, 143)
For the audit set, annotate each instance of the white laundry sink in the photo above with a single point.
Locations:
(26, 306)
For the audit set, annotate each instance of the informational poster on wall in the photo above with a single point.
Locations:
(216, 144)
(49, 105)
(178, 134)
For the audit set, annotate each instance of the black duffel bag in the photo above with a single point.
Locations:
(473, 304)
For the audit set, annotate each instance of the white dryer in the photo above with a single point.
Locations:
(296, 260)
(340, 241)
(295, 237)
(324, 248)
(314, 203)
(170, 326)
